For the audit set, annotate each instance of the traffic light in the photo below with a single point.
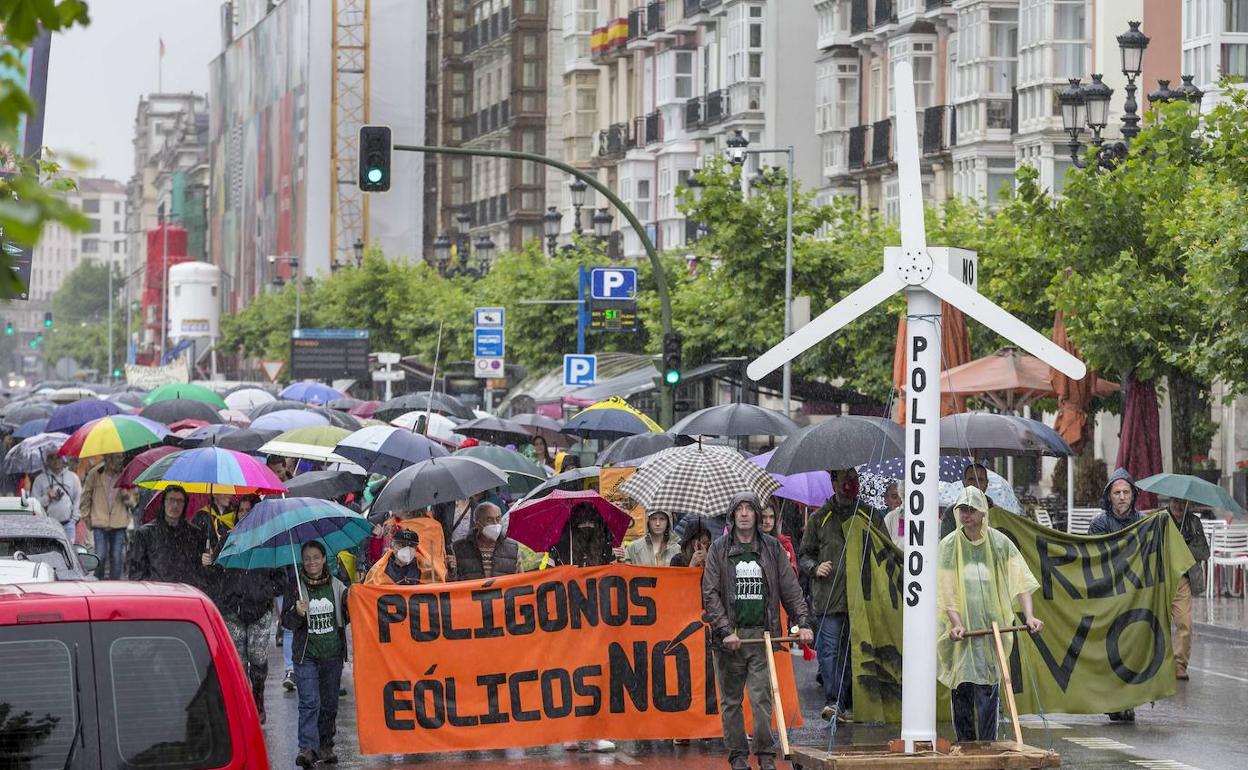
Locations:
(47, 320)
(671, 359)
(374, 158)
(8, 328)
(116, 373)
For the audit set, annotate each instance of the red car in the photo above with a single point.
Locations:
(116, 674)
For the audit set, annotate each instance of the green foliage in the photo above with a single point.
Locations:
(87, 342)
(83, 295)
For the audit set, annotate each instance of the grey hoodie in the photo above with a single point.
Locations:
(640, 552)
(1106, 522)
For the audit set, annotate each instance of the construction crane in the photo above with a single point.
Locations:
(350, 106)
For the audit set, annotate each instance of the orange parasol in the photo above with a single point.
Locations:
(1072, 395)
(955, 350)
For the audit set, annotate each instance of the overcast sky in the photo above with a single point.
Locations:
(97, 74)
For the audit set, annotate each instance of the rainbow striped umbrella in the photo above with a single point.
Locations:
(114, 434)
(211, 470)
(271, 535)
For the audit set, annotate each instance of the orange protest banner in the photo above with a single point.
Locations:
(565, 654)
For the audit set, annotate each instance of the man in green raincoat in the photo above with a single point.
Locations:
(982, 577)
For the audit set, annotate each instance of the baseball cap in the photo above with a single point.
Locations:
(972, 497)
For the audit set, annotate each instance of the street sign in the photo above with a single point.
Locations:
(613, 315)
(579, 370)
(488, 343)
(488, 317)
(327, 354)
(613, 283)
(272, 368)
(393, 376)
(486, 368)
(388, 359)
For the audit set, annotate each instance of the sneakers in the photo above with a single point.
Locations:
(845, 716)
(828, 714)
(327, 755)
(831, 712)
(766, 763)
(289, 681)
(1181, 674)
(306, 758)
(1127, 715)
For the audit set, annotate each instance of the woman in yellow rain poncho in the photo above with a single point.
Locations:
(982, 576)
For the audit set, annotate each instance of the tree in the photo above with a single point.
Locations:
(83, 295)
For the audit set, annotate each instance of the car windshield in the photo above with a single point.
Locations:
(45, 549)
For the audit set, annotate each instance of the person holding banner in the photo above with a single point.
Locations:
(981, 577)
(746, 582)
(315, 608)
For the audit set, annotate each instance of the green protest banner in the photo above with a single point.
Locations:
(1104, 600)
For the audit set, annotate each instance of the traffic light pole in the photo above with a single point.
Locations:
(666, 395)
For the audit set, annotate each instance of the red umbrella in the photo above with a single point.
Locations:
(365, 409)
(537, 523)
(189, 423)
(1139, 442)
(141, 462)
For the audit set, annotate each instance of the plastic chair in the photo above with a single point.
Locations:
(1043, 518)
(1228, 547)
(1079, 519)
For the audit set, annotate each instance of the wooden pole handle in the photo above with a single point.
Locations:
(1006, 682)
(989, 631)
(777, 705)
(775, 640)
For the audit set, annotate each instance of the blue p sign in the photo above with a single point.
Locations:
(579, 371)
(613, 283)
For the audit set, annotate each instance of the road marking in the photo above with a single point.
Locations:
(1036, 723)
(1162, 764)
(1100, 743)
(1218, 673)
(623, 758)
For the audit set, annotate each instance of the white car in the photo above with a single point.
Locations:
(20, 506)
(23, 570)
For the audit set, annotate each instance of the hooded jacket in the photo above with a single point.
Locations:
(824, 540)
(641, 553)
(1106, 522)
(780, 585)
(243, 594)
(168, 554)
(696, 526)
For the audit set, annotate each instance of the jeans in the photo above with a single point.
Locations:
(71, 532)
(288, 639)
(740, 672)
(318, 680)
(832, 651)
(109, 546)
(975, 709)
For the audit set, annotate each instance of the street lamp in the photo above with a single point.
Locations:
(695, 188)
(1131, 45)
(578, 190)
(277, 281)
(358, 248)
(552, 220)
(485, 254)
(602, 224)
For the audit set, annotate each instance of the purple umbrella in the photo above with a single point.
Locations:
(289, 419)
(70, 417)
(812, 488)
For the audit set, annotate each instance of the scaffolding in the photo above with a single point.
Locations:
(350, 107)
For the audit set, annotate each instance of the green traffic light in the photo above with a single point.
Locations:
(671, 377)
(375, 175)
(116, 372)
(33, 344)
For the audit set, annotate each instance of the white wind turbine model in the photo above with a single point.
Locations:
(924, 276)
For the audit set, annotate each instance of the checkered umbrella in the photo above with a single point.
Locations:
(698, 478)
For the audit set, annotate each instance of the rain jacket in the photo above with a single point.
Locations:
(103, 505)
(780, 585)
(297, 623)
(168, 554)
(388, 571)
(824, 540)
(244, 594)
(980, 580)
(696, 526)
(64, 509)
(1106, 522)
(641, 553)
(432, 554)
(468, 565)
(1193, 533)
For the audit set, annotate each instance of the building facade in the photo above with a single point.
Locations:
(1215, 41)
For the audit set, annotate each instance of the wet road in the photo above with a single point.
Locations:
(1201, 728)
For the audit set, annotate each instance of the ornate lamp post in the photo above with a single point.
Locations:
(578, 190)
(551, 220)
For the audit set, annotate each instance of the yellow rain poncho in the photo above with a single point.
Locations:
(979, 579)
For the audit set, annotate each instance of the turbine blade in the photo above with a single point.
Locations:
(909, 179)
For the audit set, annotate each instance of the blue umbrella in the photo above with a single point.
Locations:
(33, 428)
(387, 450)
(951, 468)
(310, 393)
(1190, 488)
(207, 432)
(271, 535)
(70, 417)
(288, 419)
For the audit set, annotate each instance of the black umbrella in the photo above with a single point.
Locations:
(634, 447)
(19, 412)
(128, 398)
(546, 427)
(839, 442)
(171, 410)
(440, 480)
(325, 485)
(247, 440)
(735, 420)
(572, 481)
(496, 430)
(344, 404)
(337, 418)
(439, 402)
(275, 406)
(992, 435)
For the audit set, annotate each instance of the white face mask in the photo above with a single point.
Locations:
(492, 531)
(405, 555)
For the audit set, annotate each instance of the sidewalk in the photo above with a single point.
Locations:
(1224, 617)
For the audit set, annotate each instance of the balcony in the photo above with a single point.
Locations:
(885, 13)
(692, 8)
(859, 19)
(487, 211)
(934, 135)
(935, 5)
(614, 141)
(882, 142)
(716, 106)
(487, 31)
(693, 114)
(649, 129)
(858, 147)
(656, 21)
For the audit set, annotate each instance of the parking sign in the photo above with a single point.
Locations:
(579, 370)
(613, 283)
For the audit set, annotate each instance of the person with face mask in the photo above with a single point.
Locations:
(822, 559)
(485, 552)
(399, 565)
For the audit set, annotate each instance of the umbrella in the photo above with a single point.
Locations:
(635, 447)
(546, 427)
(185, 391)
(438, 427)
(312, 443)
(1190, 488)
(952, 468)
(246, 399)
(127, 399)
(386, 450)
(211, 470)
(1000, 491)
(838, 442)
(247, 440)
(27, 456)
(439, 480)
(344, 404)
(735, 420)
(275, 405)
(810, 488)
(174, 410)
(991, 435)
(288, 419)
(234, 417)
(574, 480)
(696, 479)
(310, 392)
(364, 409)
(141, 462)
(423, 402)
(955, 350)
(113, 434)
(325, 485)
(34, 428)
(183, 428)
(70, 394)
(1009, 379)
(495, 430)
(522, 474)
(610, 419)
(18, 412)
(267, 537)
(537, 523)
(202, 434)
(337, 418)
(70, 417)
